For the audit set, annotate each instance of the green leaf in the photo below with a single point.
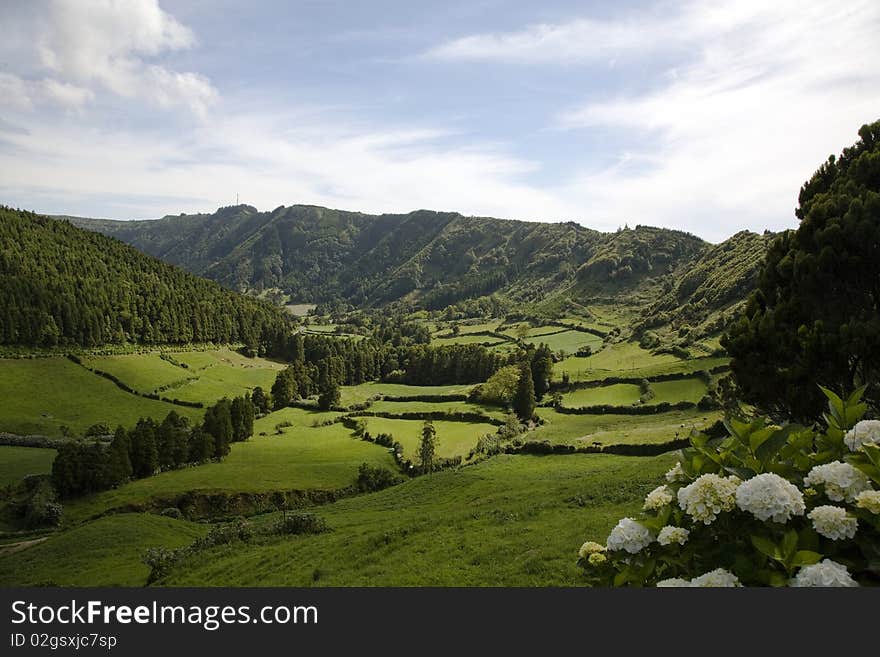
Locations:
(759, 437)
(767, 547)
(777, 580)
(789, 543)
(805, 558)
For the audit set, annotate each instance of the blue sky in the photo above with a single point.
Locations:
(701, 116)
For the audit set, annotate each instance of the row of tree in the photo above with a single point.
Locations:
(83, 467)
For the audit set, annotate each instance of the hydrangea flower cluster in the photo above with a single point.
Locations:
(597, 558)
(629, 535)
(590, 547)
(869, 500)
(770, 497)
(708, 496)
(833, 522)
(718, 578)
(676, 474)
(865, 432)
(673, 582)
(840, 480)
(670, 534)
(715, 579)
(826, 573)
(658, 498)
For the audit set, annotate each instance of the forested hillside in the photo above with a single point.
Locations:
(431, 259)
(61, 285)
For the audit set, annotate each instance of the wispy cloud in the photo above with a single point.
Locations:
(577, 41)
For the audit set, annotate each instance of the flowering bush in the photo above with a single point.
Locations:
(767, 505)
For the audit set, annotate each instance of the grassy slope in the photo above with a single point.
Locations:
(106, 552)
(42, 394)
(453, 438)
(619, 394)
(509, 521)
(359, 394)
(211, 374)
(619, 429)
(16, 462)
(302, 458)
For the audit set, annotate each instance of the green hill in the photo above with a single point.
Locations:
(61, 285)
(430, 259)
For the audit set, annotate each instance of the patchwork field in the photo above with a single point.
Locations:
(17, 462)
(611, 429)
(302, 457)
(207, 377)
(359, 394)
(453, 438)
(619, 394)
(42, 395)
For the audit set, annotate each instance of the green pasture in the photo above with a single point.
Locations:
(40, 395)
(16, 462)
(611, 429)
(691, 390)
(361, 393)
(302, 457)
(105, 552)
(453, 438)
(619, 394)
(508, 521)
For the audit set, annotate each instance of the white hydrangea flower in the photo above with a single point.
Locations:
(716, 579)
(833, 522)
(676, 474)
(629, 535)
(658, 498)
(770, 497)
(827, 573)
(708, 496)
(865, 432)
(841, 480)
(590, 547)
(673, 582)
(670, 534)
(869, 500)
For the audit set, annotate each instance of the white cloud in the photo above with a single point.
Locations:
(110, 46)
(773, 89)
(21, 94)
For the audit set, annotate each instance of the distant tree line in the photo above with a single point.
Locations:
(61, 285)
(319, 365)
(83, 467)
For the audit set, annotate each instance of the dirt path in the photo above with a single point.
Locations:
(11, 548)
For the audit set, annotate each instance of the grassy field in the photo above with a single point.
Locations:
(691, 390)
(436, 407)
(618, 357)
(41, 395)
(619, 429)
(466, 339)
(301, 458)
(16, 462)
(141, 372)
(508, 521)
(359, 394)
(453, 438)
(633, 362)
(106, 552)
(619, 394)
